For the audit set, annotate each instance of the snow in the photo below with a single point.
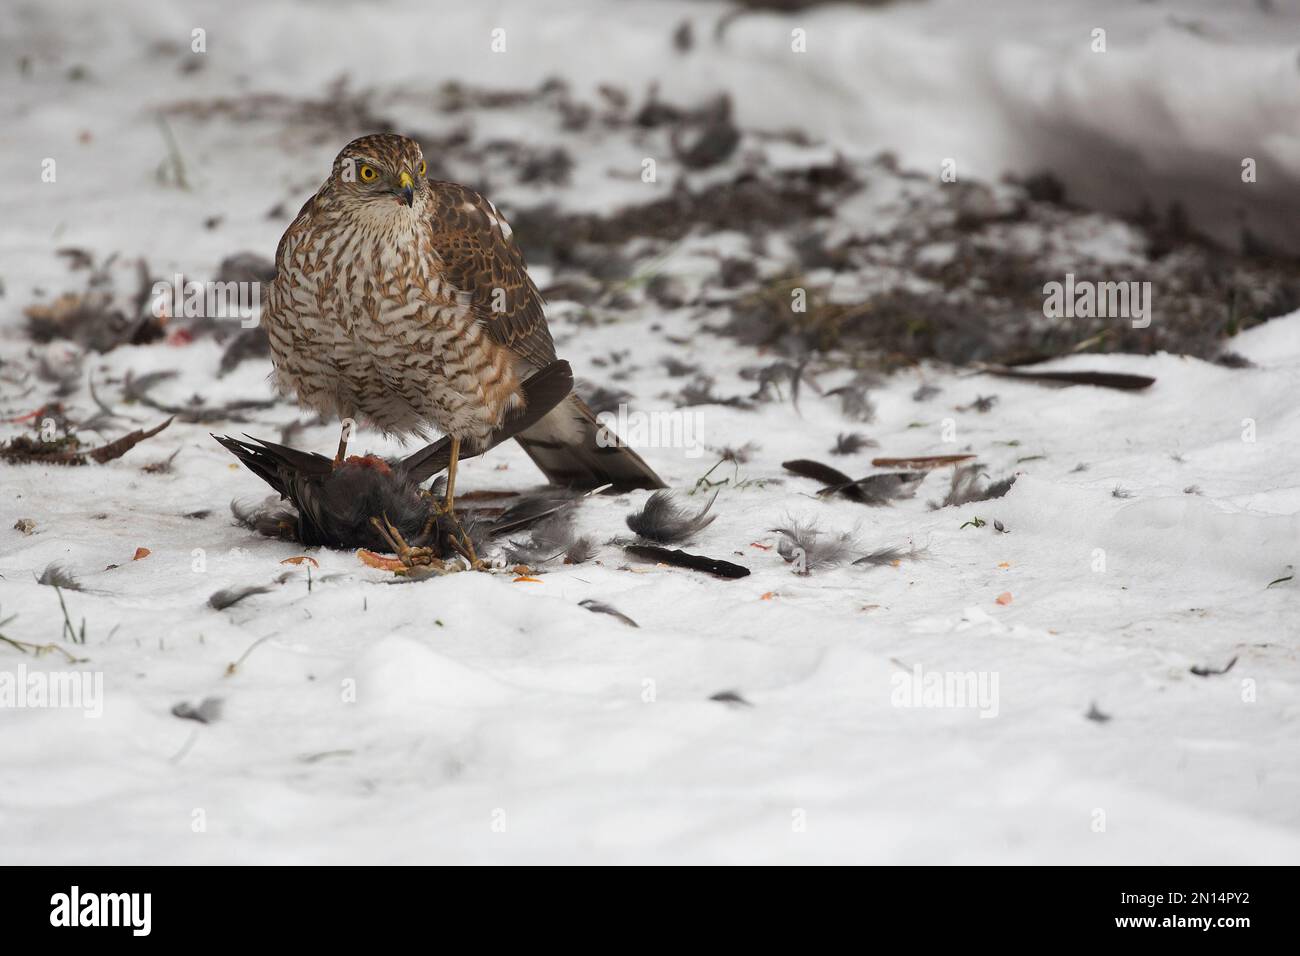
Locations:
(475, 718)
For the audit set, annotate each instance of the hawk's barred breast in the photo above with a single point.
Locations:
(364, 324)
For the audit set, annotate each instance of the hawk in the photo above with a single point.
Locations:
(405, 303)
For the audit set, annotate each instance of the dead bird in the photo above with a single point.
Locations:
(333, 506)
(369, 502)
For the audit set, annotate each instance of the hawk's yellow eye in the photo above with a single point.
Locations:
(419, 170)
(368, 174)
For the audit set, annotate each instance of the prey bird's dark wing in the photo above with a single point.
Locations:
(273, 463)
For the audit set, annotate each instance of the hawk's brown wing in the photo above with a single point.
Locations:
(480, 258)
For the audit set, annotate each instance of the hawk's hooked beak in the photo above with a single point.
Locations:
(407, 192)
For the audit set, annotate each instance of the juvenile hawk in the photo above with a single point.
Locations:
(404, 302)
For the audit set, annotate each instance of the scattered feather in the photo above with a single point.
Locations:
(873, 490)
(676, 368)
(59, 576)
(892, 486)
(982, 403)
(695, 562)
(532, 509)
(665, 521)
(1212, 672)
(1100, 379)
(770, 378)
(808, 547)
(816, 470)
(208, 710)
(699, 391)
(551, 538)
(855, 398)
(925, 392)
(921, 461)
(851, 443)
(731, 698)
(968, 486)
(599, 607)
(228, 597)
(163, 466)
(1095, 714)
(268, 517)
(884, 557)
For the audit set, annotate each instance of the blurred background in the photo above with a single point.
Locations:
(908, 158)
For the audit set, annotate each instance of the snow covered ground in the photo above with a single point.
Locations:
(478, 718)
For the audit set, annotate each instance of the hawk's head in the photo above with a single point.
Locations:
(384, 167)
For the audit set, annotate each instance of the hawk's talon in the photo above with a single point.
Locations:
(461, 541)
(410, 557)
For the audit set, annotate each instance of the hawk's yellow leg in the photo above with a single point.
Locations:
(460, 540)
(464, 545)
(450, 500)
(345, 432)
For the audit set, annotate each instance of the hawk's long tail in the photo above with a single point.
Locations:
(572, 448)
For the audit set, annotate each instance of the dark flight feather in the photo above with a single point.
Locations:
(1118, 380)
(681, 559)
